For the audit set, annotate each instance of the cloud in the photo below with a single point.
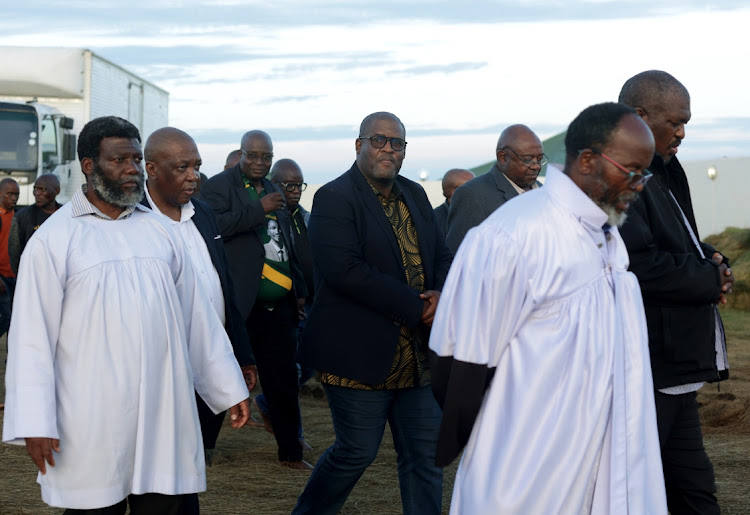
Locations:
(177, 55)
(289, 98)
(439, 68)
(156, 18)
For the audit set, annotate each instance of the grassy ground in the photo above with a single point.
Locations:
(246, 479)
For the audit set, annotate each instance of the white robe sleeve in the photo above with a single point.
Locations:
(217, 376)
(30, 401)
(485, 299)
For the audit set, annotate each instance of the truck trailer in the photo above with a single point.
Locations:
(47, 95)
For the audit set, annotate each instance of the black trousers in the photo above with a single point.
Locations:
(273, 338)
(146, 504)
(688, 473)
(210, 423)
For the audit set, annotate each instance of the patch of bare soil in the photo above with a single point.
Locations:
(245, 477)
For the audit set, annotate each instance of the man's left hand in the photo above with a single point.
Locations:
(240, 413)
(301, 308)
(250, 373)
(726, 276)
(431, 298)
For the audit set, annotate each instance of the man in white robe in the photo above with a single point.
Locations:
(542, 354)
(110, 338)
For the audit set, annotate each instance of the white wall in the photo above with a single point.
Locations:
(722, 202)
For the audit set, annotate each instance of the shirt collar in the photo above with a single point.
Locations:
(82, 206)
(395, 190)
(186, 211)
(573, 198)
(516, 187)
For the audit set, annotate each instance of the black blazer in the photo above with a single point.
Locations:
(679, 287)
(441, 217)
(238, 218)
(361, 294)
(235, 324)
(474, 201)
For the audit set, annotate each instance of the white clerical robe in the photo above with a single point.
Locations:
(567, 424)
(109, 341)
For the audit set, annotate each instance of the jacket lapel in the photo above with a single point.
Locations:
(502, 183)
(371, 202)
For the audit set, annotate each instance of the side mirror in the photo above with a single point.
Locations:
(69, 147)
(66, 123)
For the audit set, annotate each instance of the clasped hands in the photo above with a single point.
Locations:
(431, 298)
(726, 276)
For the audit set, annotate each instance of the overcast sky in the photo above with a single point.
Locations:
(456, 73)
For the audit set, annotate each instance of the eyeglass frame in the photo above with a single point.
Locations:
(301, 186)
(385, 140)
(529, 162)
(634, 179)
(266, 158)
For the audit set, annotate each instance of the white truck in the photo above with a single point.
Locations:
(46, 97)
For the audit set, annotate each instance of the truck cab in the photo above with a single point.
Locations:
(34, 139)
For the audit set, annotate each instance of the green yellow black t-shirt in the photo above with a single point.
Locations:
(276, 277)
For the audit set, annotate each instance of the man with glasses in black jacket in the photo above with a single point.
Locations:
(520, 157)
(270, 287)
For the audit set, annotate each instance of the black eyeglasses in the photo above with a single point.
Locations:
(254, 156)
(379, 141)
(540, 160)
(634, 179)
(291, 186)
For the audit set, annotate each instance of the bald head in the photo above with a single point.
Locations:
(287, 174)
(254, 135)
(453, 179)
(664, 104)
(517, 146)
(173, 167)
(48, 180)
(366, 125)
(160, 141)
(232, 158)
(284, 169)
(650, 89)
(513, 134)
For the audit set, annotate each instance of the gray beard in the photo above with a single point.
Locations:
(614, 217)
(110, 191)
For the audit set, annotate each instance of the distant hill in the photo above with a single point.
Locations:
(554, 147)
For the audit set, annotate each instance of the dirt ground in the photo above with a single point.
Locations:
(246, 479)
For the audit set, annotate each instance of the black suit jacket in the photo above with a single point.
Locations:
(441, 217)
(679, 287)
(474, 201)
(361, 293)
(235, 324)
(238, 219)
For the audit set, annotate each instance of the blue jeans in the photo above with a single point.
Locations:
(359, 418)
(6, 303)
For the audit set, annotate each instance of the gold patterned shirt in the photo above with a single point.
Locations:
(410, 365)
